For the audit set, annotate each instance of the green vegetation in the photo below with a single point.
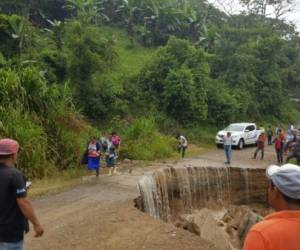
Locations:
(143, 141)
(148, 69)
(42, 118)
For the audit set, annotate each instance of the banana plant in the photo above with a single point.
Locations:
(86, 10)
(208, 38)
(17, 25)
(57, 29)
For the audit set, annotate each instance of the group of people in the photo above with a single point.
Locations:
(281, 229)
(105, 147)
(285, 144)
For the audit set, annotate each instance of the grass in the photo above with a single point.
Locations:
(196, 150)
(131, 55)
(203, 136)
(145, 142)
(57, 183)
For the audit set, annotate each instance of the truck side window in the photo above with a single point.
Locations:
(250, 128)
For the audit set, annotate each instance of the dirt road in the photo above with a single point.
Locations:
(101, 213)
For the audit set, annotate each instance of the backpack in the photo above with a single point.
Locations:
(269, 133)
(98, 146)
(104, 145)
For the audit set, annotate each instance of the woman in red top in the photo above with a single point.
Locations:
(279, 148)
(260, 145)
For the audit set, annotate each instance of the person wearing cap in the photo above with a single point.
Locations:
(280, 230)
(15, 207)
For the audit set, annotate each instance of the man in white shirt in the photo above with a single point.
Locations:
(183, 144)
(227, 142)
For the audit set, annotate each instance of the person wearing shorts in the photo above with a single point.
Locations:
(111, 158)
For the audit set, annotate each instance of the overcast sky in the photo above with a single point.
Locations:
(295, 18)
(233, 6)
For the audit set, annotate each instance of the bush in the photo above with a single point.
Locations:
(56, 63)
(142, 141)
(174, 81)
(42, 118)
(8, 45)
(32, 139)
(201, 134)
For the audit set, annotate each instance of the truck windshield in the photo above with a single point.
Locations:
(235, 127)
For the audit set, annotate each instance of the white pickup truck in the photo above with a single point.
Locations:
(242, 134)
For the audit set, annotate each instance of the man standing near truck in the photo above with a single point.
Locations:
(15, 207)
(227, 142)
(270, 135)
(260, 145)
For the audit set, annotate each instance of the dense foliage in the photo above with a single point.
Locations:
(183, 63)
(41, 117)
(143, 141)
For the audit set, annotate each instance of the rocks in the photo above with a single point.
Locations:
(187, 222)
(138, 203)
(127, 161)
(242, 219)
(173, 235)
(226, 230)
(205, 224)
(220, 224)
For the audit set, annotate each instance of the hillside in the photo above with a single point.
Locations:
(132, 56)
(147, 69)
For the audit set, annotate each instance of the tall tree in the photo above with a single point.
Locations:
(86, 10)
(277, 8)
(37, 10)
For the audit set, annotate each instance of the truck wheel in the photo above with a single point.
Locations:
(219, 145)
(241, 144)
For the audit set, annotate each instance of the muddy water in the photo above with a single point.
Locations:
(212, 202)
(172, 191)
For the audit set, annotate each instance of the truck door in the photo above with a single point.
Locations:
(251, 134)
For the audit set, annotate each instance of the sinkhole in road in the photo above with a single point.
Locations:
(218, 204)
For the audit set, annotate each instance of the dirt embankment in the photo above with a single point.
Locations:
(101, 214)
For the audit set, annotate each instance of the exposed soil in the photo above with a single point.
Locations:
(101, 214)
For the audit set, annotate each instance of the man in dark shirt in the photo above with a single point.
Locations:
(15, 207)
